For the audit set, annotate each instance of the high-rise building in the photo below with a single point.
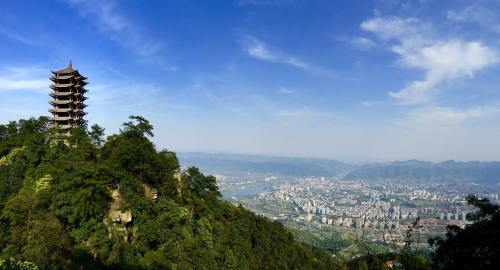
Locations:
(68, 96)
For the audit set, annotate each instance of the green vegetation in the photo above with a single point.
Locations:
(84, 202)
(476, 246)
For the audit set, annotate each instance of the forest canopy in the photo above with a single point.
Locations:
(85, 201)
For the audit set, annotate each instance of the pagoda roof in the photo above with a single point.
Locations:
(68, 70)
(61, 77)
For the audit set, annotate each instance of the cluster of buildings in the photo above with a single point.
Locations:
(372, 206)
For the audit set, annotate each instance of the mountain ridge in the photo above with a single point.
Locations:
(412, 169)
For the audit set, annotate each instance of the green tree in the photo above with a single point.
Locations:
(96, 135)
(474, 247)
(138, 125)
(230, 260)
(201, 185)
(362, 265)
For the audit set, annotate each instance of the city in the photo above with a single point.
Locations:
(378, 211)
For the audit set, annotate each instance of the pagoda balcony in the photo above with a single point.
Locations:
(60, 110)
(62, 118)
(61, 85)
(60, 102)
(64, 126)
(59, 94)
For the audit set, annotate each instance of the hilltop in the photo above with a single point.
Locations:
(82, 201)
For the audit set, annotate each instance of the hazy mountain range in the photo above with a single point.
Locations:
(414, 170)
(237, 163)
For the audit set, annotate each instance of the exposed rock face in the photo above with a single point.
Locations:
(119, 219)
(7, 160)
(43, 182)
(178, 183)
(150, 192)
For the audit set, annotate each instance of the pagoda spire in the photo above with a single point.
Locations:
(68, 96)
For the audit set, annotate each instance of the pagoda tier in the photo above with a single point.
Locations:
(68, 96)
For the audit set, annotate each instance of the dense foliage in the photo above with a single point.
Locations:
(56, 195)
(477, 246)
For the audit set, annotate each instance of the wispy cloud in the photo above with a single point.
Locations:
(108, 19)
(444, 116)
(259, 50)
(366, 104)
(419, 48)
(486, 18)
(16, 36)
(304, 112)
(285, 91)
(124, 93)
(24, 78)
(360, 43)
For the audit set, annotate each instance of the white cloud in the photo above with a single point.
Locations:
(119, 29)
(259, 50)
(24, 78)
(285, 91)
(124, 93)
(449, 116)
(366, 104)
(302, 113)
(16, 36)
(485, 17)
(360, 43)
(441, 60)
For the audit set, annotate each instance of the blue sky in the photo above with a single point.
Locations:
(351, 80)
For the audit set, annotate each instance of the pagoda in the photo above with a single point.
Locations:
(68, 96)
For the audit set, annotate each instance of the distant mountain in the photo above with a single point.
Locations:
(474, 171)
(256, 164)
(411, 170)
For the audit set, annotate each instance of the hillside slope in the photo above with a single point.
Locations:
(85, 202)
